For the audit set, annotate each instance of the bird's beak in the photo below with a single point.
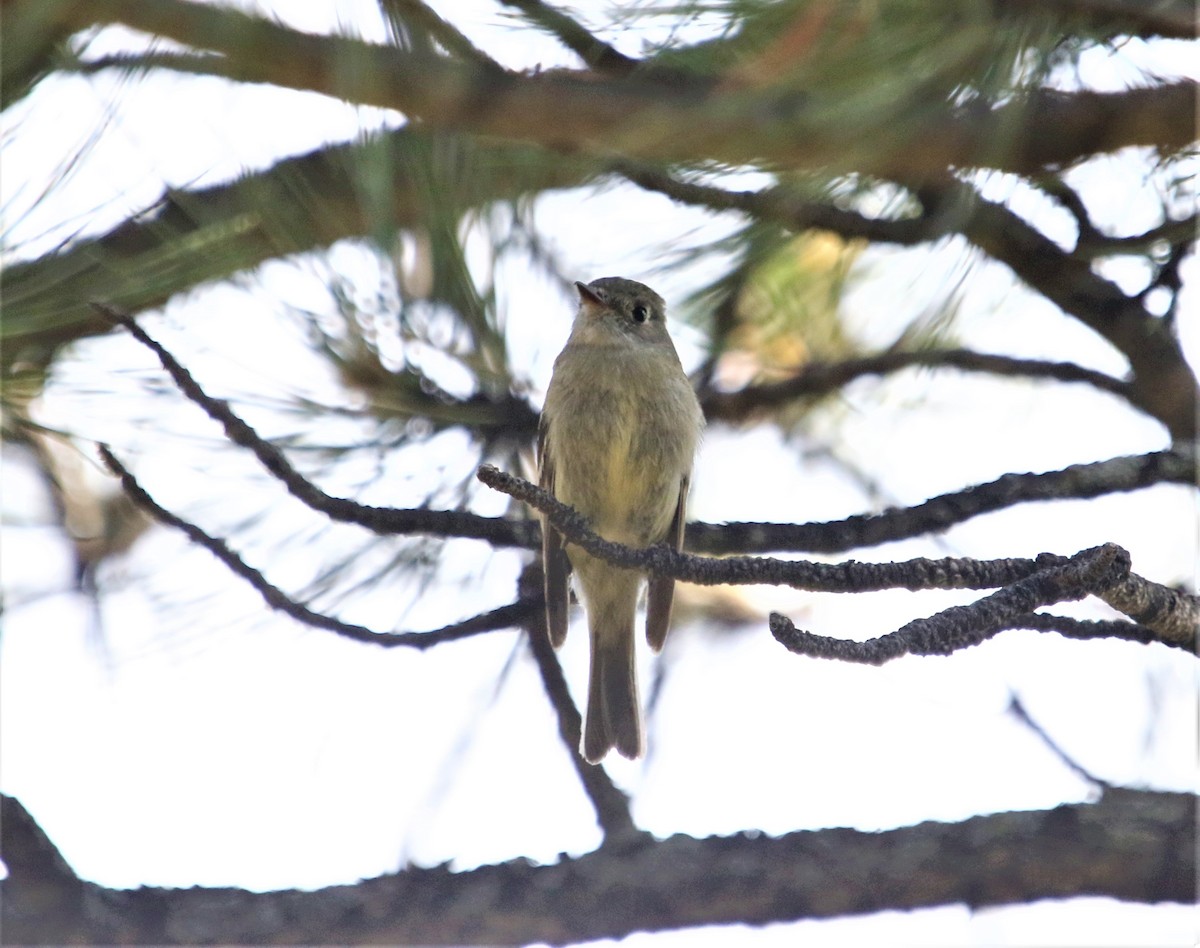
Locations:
(592, 301)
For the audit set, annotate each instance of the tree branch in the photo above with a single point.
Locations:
(1171, 19)
(195, 236)
(503, 618)
(1173, 615)
(1162, 383)
(609, 802)
(1090, 572)
(640, 117)
(595, 53)
(1132, 845)
(42, 901)
(821, 378)
(1018, 711)
(1028, 583)
(383, 520)
(1076, 482)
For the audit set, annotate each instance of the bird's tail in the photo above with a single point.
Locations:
(613, 715)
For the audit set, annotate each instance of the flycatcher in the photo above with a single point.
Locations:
(618, 434)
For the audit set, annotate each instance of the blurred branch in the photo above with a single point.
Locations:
(42, 901)
(1092, 242)
(609, 802)
(595, 53)
(822, 378)
(1027, 584)
(785, 207)
(1132, 845)
(1171, 19)
(1077, 481)
(420, 16)
(641, 117)
(194, 236)
(503, 618)
(34, 38)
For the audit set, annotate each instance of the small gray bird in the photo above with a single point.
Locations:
(618, 434)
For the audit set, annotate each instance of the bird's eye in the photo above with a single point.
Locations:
(640, 313)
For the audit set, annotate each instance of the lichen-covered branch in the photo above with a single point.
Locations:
(1027, 583)
(1092, 572)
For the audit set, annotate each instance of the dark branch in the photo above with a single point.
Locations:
(43, 901)
(1018, 711)
(505, 617)
(821, 378)
(1162, 383)
(877, 651)
(1089, 572)
(418, 15)
(595, 53)
(1172, 614)
(1088, 629)
(1136, 846)
(649, 119)
(786, 208)
(1102, 571)
(609, 802)
(192, 236)
(1078, 481)
(1171, 19)
(383, 520)
(850, 576)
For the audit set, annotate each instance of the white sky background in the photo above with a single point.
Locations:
(223, 745)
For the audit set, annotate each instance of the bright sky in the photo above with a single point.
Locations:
(208, 742)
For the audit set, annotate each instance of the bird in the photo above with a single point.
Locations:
(616, 441)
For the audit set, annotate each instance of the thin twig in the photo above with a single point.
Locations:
(1077, 481)
(609, 802)
(821, 378)
(786, 208)
(1018, 711)
(595, 53)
